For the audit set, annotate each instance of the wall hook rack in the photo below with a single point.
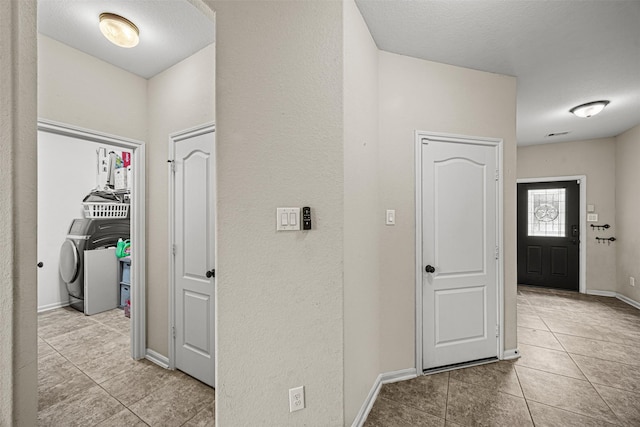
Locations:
(608, 240)
(600, 227)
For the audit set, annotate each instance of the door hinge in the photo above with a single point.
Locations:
(173, 165)
(497, 252)
(173, 249)
(497, 331)
(497, 175)
(173, 332)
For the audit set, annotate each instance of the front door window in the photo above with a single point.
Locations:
(547, 212)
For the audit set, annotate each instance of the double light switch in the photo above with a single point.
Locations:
(287, 219)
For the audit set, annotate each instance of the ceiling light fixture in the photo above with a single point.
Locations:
(589, 109)
(118, 30)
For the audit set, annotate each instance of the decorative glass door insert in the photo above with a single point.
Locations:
(546, 213)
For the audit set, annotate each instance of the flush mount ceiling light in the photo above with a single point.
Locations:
(589, 109)
(118, 30)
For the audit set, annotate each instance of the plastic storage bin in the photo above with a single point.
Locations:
(125, 294)
(126, 272)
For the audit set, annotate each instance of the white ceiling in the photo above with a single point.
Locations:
(170, 31)
(563, 53)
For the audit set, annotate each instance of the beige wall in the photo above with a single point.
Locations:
(423, 95)
(81, 90)
(280, 143)
(179, 98)
(362, 214)
(627, 208)
(18, 208)
(596, 159)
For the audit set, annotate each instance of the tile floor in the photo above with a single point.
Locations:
(86, 377)
(579, 366)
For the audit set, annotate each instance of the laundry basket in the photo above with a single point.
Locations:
(105, 210)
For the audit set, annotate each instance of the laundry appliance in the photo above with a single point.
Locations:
(79, 267)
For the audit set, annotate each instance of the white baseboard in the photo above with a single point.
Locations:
(511, 354)
(601, 293)
(157, 358)
(618, 295)
(628, 300)
(48, 307)
(386, 378)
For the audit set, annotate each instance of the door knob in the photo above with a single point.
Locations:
(430, 269)
(211, 273)
(40, 264)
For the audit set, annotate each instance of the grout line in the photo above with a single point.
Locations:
(446, 402)
(525, 397)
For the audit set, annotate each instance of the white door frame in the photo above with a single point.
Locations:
(138, 221)
(173, 139)
(421, 136)
(582, 247)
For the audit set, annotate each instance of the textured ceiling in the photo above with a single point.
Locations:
(170, 31)
(563, 53)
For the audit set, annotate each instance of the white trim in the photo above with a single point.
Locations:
(583, 219)
(385, 378)
(493, 142)
(602, 293)
(511, 354)
(157, 358)
(628, 300)
(52, 306)
(618, 295)
(138, 220)
(173, 139)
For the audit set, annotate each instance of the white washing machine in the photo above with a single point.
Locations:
(88, 264)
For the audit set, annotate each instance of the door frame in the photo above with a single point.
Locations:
(138, 221)
(421, 136)
(173, 139)
(582, 247)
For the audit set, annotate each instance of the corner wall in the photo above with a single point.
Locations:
(18, 207)
(627, 208)
(362, 214)
(596, 159)
(179, 98)
(421, 95)
(280, 143)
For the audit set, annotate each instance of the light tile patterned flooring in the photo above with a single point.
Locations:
(86, 377)
(579, 366)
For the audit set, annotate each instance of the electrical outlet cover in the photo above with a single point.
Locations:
(296, 399)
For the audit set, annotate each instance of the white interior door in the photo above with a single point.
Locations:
(194, 255)
(459, 252)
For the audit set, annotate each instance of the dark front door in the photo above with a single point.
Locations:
(549, 234)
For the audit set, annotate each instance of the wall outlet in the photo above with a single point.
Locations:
(632, 281)
(296, 399)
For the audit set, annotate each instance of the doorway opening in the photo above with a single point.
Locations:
(76, 138)
(551, 232)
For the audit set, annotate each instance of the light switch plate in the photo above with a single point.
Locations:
(592, 217)
(287, 219)
(391, 217)
(591, 208)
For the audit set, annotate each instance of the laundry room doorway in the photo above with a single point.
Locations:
(85, 260)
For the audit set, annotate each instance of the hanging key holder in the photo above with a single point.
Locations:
(607, 240)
